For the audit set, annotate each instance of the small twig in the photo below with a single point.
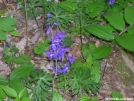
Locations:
(6, 7)
(104, 71)
(26, 25)
(125, 29)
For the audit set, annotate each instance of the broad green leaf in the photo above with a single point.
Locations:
(126, 41)
(129, 14)
(115, 19)
(130, 30)
(69, 6)
(22, 93)
(17, 99)
(116, 94)
(18, 86)
(21, 72)
(10, 92)
(77, 63)
(67, 42)
(57, 97)
(2, 93)
(14, 33)
(84, 97)
(86, 51)
(93, 99)
(94, 9)
(101, 52)
(7, 24)
(25, 99)
(3, 80)
(100, 31)
(2, 35)
(40, 47)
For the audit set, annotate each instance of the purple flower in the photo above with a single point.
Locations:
(48, 15)
(48, 29)
(56, 23)
(70, 59)
(111, 2)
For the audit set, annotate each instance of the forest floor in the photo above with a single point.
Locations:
(112, 79)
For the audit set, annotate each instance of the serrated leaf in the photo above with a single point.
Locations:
(2, 93)
(115, 19)
(3, 80)
(7, 23)
(21, 72)
(10, 92)
(101, 52)
(100, 31)
(126, 41)
(2, 35)
(14, 33)
(69, 6)
(57, 97)
(129, 14)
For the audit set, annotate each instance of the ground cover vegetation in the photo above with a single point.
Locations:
(108, 20)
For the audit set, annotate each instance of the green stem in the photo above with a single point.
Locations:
(25, 2)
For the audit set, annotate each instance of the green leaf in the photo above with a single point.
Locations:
(84, 97)
(94, 9)
(22, 93)
(18, 86)
(115, 19)
(40, 48)
(60, 85)
(3, 80)
(126, 41)
(116, 94)
(130, 30)
(100, 31)
(57, 97)
(129, 14)
(2, 93)
(86, 51)
(14, 33)
(101, 52)
(17, 99)
(25, 99)
(10, 92)
(2, 35)
(96, 72)
(67, 42)
(7, 24)
(21, 72)
(69, 6)
(93, 99)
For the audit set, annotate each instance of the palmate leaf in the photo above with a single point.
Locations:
(69, 6)
(100, 31)
(126, 41)
(115, 19)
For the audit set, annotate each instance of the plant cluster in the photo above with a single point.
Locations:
(73, 75)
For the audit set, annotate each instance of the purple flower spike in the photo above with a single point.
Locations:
(70, 59)
(111, 2)
(48, 29)
(48, 15)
